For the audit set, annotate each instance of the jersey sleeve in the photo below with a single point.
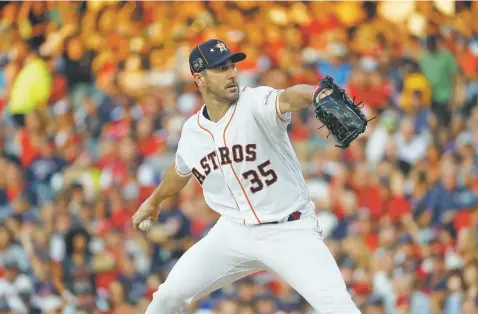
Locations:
(182, 168)
(267, 109)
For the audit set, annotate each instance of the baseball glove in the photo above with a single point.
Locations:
(340, 114)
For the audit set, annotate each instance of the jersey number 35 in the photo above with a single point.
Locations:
(269, 177)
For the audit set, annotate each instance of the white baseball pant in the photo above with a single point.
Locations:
(295, 251)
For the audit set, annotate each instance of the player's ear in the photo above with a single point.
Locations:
(199, 79)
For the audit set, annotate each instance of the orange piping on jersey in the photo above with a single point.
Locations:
(210, 133)
(219, 162)
(277, 109)
(233, 171)
(244, 88)
(179, 172)
(243, 221)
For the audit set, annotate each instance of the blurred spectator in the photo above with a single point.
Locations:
(410, 146)
(440, 68)
(227, 306)
(31, 88)
(336, 64)
(469, 306)
(265, 304)
(448, 197)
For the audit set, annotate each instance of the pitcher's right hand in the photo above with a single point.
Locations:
(145, 211)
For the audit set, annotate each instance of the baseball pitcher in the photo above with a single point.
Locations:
(238, 149)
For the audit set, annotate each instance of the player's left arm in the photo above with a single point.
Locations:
(298, 97)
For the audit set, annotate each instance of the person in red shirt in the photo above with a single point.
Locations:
(370, 88)
(117, 297)
(366, 230)
(399, 205)
(148, 142)
(368, 191)
(106, 263)
(116, 160)
(119, 213)
(30, 138)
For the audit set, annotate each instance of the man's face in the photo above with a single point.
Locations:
(221, 82)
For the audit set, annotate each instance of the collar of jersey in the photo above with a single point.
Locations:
(224, 119)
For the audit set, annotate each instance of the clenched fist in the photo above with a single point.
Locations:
(145, 225)
(146, 211)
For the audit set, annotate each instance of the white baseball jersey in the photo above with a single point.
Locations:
(245, 162)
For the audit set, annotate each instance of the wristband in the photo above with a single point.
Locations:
(314, 92)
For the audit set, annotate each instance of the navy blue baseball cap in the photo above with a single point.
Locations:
(210, 54)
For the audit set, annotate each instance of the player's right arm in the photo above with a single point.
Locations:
(172, 183)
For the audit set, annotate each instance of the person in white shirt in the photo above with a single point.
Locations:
(238, 149)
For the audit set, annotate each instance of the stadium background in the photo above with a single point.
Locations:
(92, 100)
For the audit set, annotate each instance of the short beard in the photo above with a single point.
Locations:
(219, 97)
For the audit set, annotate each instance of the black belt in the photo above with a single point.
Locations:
(292, 217)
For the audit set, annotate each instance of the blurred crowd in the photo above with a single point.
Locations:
(93, 96)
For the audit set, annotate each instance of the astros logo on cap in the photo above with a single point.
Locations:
(221, 46)
(197, 64)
